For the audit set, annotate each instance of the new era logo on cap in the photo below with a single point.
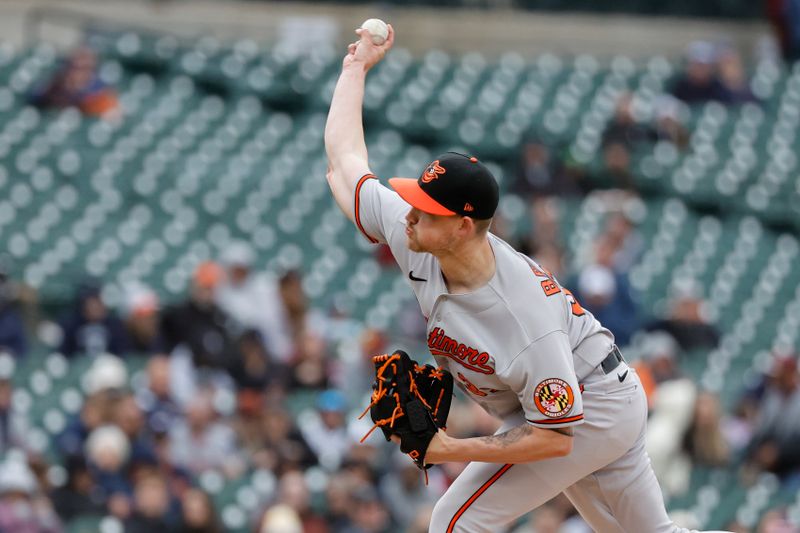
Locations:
(453, 184)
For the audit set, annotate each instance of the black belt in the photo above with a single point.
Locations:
(612, 361)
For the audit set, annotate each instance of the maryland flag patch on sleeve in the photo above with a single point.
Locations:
(553, 397)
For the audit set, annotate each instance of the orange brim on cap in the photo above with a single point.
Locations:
(410, 191)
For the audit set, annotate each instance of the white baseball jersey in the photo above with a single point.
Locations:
(511, 344)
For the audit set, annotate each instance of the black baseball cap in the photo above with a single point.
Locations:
(453, 184)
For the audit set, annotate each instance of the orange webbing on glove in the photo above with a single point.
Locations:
(409, 402)
(381, 391)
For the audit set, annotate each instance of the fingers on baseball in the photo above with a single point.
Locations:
(389, 38)
(366, 36)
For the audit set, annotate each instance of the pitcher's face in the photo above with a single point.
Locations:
(431, 233)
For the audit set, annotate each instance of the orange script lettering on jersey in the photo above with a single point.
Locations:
(441, 344)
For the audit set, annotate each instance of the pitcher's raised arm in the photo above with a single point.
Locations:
(344, 131)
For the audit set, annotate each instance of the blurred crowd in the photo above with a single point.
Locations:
(244, 379)
(224, 372)
(711, 72)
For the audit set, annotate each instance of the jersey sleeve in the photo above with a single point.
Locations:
(380, 215)
(544, 379)
(378, 210)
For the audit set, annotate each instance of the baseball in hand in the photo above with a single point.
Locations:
(377, 29)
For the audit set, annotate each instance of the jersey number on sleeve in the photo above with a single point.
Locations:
(550, 287)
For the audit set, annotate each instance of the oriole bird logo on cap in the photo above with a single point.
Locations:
(433, 171)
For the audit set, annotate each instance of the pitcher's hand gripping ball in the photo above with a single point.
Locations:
(410, 401)
(378, 30)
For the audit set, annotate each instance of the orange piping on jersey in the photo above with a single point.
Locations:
(483, 488)
(357, 208)
(557, 420)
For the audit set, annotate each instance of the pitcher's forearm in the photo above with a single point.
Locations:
(344, 130)
(521, 444)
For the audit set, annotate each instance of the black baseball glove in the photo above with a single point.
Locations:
(409, 400)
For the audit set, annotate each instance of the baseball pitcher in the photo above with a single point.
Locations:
(513, 339)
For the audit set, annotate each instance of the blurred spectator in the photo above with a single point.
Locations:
(785, 18)
(22, 508)
(368, 514)
(624, 240)
(326, 431)
(545, 232)
(199, 324)
(285, 441)
(422, 518)
(150, 507)
(13, 422)
(624, 129)
(12, 327)
(545, 220)
(281, 518)
(295, 303)
(91, 328)
(551, 258)
(739, 429)
(142, 320)
(178, 479)
(541, 173)
(774, 445)
(198, 513)
(736, 527)
(671, 397)
(76, 84)
(309, 368)
(608, 296)
(79, 496)
(107, 373)
(202, 442)
(338, 499)
(404, 491)
(253, 300)
(668, 125)
(775, 521)
(94, 412)
(155, 398)
(733, 77)
(270, 440)
(699, 83)
(704, 441)
(108, 451)
(293, 492)
(128, 416)
(355, 372)
(616, 172)
(365, 459)
(622, 137)
(256, 370)
(658, 353)
(687, 321)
